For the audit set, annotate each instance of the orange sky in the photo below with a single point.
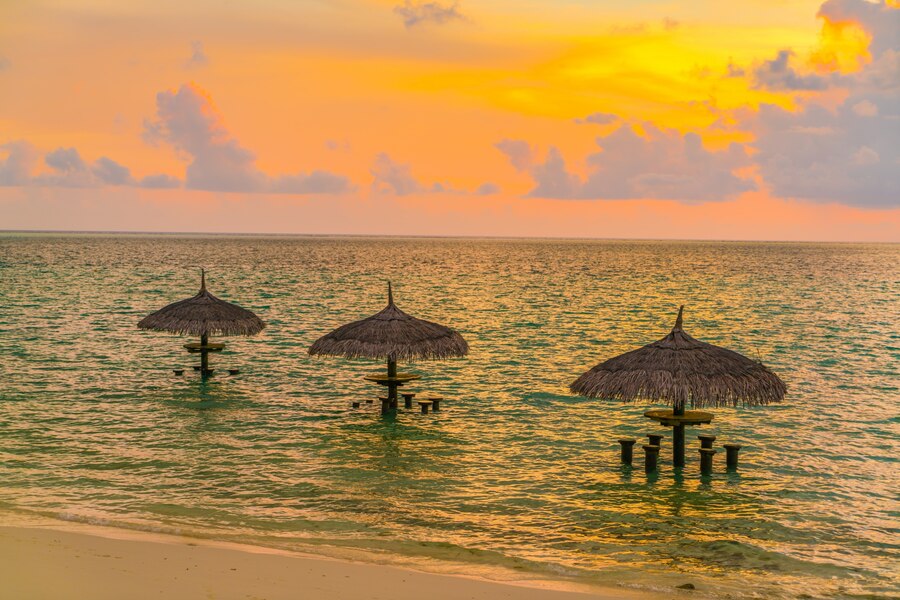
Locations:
(532, 118)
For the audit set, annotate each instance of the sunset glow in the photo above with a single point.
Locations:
(602, 119)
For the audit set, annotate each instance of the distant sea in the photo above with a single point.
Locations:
(515, 478)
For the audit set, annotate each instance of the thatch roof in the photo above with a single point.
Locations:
(203, 314)
(391, 334)
(678, 370)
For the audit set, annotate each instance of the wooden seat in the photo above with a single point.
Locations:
(425, 405)
(408, 399)
(178, 371)
(356, 404)
(436, 402)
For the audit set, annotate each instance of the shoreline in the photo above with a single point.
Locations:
(70, 560)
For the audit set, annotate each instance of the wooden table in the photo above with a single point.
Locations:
(392, 383)
(677, 421)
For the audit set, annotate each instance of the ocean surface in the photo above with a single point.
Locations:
(515, 478)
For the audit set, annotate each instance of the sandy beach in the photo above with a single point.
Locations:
(47, 564)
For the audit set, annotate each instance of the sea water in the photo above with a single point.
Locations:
(515, 477)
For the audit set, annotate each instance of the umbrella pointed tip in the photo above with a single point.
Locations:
(678, 321)
(202, 279)
(390, 295)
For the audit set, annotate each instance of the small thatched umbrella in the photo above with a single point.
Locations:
(393, 335)
(203, 315)
(677, 370)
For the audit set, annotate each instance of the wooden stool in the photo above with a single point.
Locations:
(436, 402)
(627, 450)
(178, 371)
(233, 371)
(424, 404)
(356, 404)
(706, 440)
(731, 455)
(369, 401)
(655, 439)
(651, 454)
(706, 459)
(408, 399)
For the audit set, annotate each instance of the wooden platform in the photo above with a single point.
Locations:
(198, 347)
(668, 418)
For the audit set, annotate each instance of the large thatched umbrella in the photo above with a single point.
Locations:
(203, 315)
(678, 370)
(392, 335)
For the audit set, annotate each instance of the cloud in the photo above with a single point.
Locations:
(188, 120)
(68, 169)
(160, 181)
(20, 160)
(846, 154)
(198, 57)
(4, 64)
(599, 118)
(518, 152)
(317, 182)
(777, 74)
(663, 164)
(392, 176)
(414, 13)
(487, 188)
(110, 172)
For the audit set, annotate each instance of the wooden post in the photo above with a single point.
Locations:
(731, 455)
(706, 460)
(651, 454)
(678, 438)
(627, 450)
(655, 439)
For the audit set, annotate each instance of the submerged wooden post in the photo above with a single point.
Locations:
(408, 399)
(436, 403)
(731, 455)
(627, 450)
(706, 460)
(706, 440)
(425, 404)
(392, 385)
(385, 405)
(655, 439)
(651, 454)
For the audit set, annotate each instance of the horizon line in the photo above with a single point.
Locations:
(432, 236)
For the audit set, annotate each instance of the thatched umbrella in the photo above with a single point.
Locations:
(678, 370)
(392, 335)
(203, 315)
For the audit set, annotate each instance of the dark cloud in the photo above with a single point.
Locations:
(487, 188)
(188, 121)
(110, 172)
(198, 57)
(777, 74)
(20, 159)
(420, 13)
(160, 181)
(599, 118)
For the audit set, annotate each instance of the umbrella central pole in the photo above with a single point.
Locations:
(678, 438)
(392, 385)
(204, 355)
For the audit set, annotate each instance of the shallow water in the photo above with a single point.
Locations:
(515, 477)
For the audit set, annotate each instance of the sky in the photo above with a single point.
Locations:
(758, 120)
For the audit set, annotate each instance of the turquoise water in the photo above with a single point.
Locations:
(516, 477)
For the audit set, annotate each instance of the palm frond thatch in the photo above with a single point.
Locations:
(203, 314)
(391, 334)
(678, 370)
